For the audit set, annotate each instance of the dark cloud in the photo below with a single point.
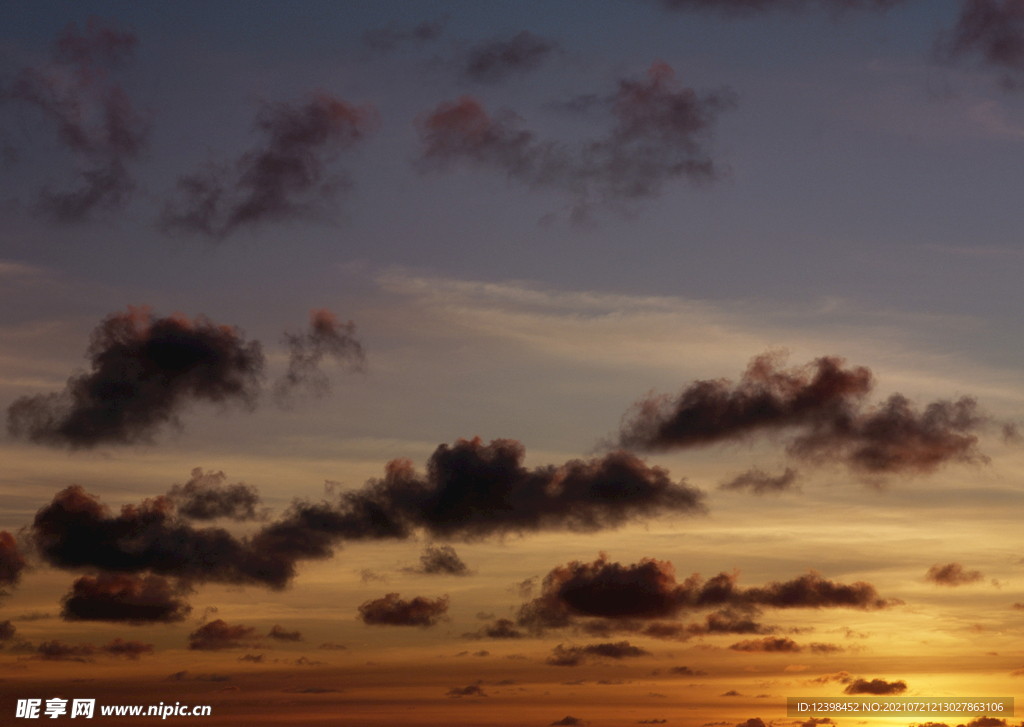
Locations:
(985, 722)
(204, 497)
(875, 686)
(744, 7)
(128, 649)
(93, 116)
(685, 671)
(129, 598)
(649, 590)
(657, 135)
(569, 720)
(952, 574)
(472, 490)
(182, 676)
(503, 628)
(59, 651)
(767, 644)
(283, 178)
(278, 632)
(145, 371)
(12, 562)
(575, 655)
(329, 646)
(651, 721)
(393, 611)
(472, 690)
(326, 337)
(7, 630)
(752, 722)
(824, 403)
(219, 635)
(759, 482)
(393, 35)
(252, 658)
(992, 30)
(494, 60)
(440, 560)
(77, 531)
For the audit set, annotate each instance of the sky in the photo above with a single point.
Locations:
(525, 363)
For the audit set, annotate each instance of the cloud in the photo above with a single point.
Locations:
(767, 644)
(329, 646)
(278, 632)
(503, 628)
(12, 562)
(7, 630)
(326, 338)
(569, 720)
(128, 649)
(875, 686)
(93, 116)
(685, 671)
(657, 134)
(204, 497)
(59, 651)
(575, 655)
(471, 691)
(993, 30)
(752, 722)
(145, 371)
(76, 531)
(393, 35)
(440, 560)
(759, 482)
(283, 178)
(494, 60)
(219, 635)
(393, 611)
(472, 490)
(952, 574)
(127, 598)
(824, 403)
(649, 590)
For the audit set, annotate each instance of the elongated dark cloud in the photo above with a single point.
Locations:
(472, 490)
(993, 30)
(220, 635)
(7, 630)
(952, 574)
(145, 371)
(127, 598)
(823, 403)
(767, 644)
(503, 628)
(575, 655)
(494, 60)
(12, 562)
(744, 7)
(657, 134)
(394, 35)
(326, 338)
(440, 560)
(473, 690)
(759, 482)
(77, 531)
(205, 497)
(393, 611)
(649, 590)
(285, 177)
(281, 634)
(569, 720)
(93, 116)
(875, 686)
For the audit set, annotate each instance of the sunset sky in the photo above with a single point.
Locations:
(526, 363)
